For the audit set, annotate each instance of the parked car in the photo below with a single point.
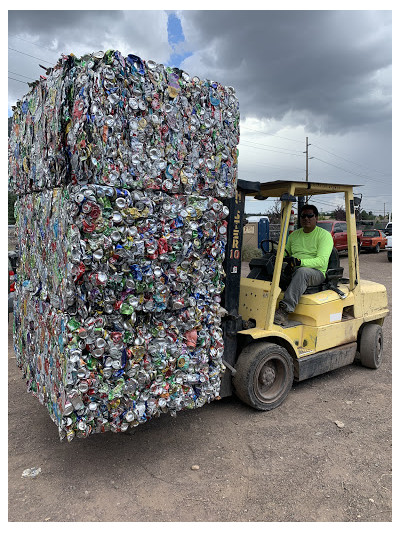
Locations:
(389, 247)
(373, 240)
(388, 229)
(12, 266)
(338, 230)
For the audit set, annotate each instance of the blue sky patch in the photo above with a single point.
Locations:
(175, 38)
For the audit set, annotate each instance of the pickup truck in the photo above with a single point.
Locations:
(389, 247)
(338, 230)
(373, 240)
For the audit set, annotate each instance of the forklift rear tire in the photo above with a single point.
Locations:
(264, 375)
(371, 346)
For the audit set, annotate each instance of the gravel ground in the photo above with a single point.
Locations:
(293, 464)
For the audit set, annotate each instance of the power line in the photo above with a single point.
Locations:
(22, 75)
(366, 177)
(328, 204)
(25, 54)
(322, 202)
(317, 201)
(296, 170)
(348, 171)
(348, 160)
(363, 208)
(290, 169)
(269, 150)
(280, 167)
(20, 81)
(271, 134)
(30, 42)
(380, 195)
(272, 146)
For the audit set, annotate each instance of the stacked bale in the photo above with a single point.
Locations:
(121, 167)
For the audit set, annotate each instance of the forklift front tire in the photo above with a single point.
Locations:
(371, 346)
(264, 375)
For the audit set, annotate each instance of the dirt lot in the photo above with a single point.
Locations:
(293, 464)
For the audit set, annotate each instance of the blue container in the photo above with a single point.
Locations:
(263, 230)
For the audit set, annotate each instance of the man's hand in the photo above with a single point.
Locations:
(293, 262)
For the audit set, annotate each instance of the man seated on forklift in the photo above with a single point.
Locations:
(310, 248)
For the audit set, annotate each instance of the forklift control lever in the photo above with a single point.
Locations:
(338, 291)
(233, 371)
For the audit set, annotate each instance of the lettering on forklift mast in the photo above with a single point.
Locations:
(235, 251)
(316, 186)
(235, 242)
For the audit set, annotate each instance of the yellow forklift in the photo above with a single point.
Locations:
(333, 324)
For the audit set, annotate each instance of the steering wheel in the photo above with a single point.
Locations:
(268, 241)
(287, 268)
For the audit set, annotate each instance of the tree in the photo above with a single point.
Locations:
(274, 214)
(366, 216)
(339, 213)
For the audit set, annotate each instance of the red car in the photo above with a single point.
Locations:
(338, 230)
(373, 240)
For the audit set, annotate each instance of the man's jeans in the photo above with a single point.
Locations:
(302, 278)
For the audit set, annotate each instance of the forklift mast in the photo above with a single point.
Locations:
(232, 322)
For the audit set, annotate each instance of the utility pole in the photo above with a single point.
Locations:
(301, 201)
(306, 152)
(307, 159)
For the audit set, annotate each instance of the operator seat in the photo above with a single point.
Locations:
(334, 274)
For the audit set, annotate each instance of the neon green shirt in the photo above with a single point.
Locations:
(313, 249)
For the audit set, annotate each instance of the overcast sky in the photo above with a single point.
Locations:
(325, 75)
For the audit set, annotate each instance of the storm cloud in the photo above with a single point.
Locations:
(323, 75)
(331, 67)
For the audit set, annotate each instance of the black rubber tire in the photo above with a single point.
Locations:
(264, 375)
(371, 346)
(377, 248)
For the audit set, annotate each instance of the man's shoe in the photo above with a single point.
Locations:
(281, 317)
